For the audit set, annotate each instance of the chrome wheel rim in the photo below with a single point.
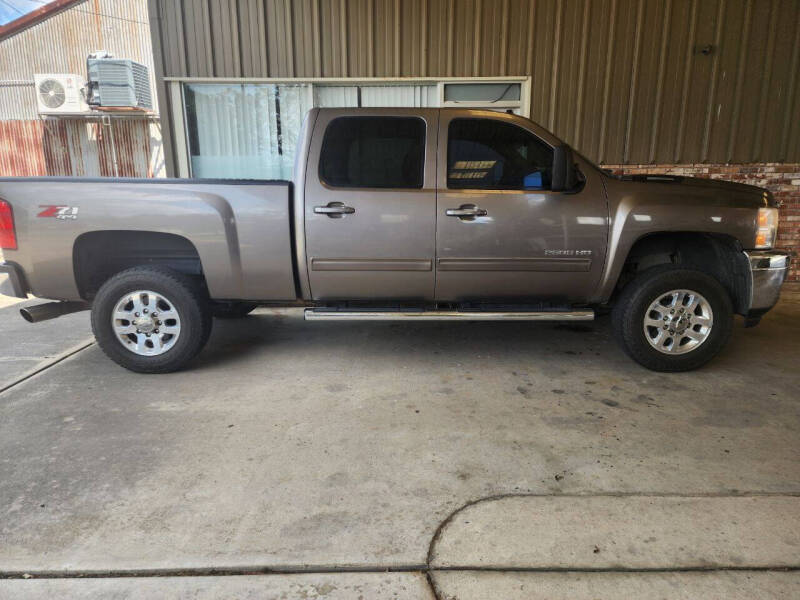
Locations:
(678, 322)
(146, 323)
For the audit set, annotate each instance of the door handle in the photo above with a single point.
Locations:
(466, 212)
(334, 210)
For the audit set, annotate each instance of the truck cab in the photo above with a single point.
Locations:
(455, 206)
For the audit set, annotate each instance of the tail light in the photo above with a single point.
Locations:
(8, 238)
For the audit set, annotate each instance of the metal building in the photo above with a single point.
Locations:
(624, 81)
(57, 39)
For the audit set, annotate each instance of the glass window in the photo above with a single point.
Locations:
(373, 152)
(482, 92)
(246, 131)
(488, 154)
(391, 95)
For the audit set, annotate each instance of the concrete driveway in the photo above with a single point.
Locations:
(399, 460)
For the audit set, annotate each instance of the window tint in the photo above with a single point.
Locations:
(492, 155)
(373, 152)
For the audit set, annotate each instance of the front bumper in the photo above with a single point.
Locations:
(768, 270)
(14, 283)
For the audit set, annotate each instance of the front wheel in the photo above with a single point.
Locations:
(673, 319)
(151, 319)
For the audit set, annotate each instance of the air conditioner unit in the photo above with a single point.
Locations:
(58, 94)
(118, 82)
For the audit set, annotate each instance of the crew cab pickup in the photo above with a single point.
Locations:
(403, 214)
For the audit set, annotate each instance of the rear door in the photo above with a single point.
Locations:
(502, 234)
(370, 205)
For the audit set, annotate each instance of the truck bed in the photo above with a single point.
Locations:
(236, 227)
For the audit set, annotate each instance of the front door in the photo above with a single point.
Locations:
(502, 234)
(370, 205)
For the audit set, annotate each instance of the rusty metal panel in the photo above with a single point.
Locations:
(69, 146)
(625, 81)
(76, 147)
(17, 100)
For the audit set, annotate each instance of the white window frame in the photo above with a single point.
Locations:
(178, 102)
(523, 104)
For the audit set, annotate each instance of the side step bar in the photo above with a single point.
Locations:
(321, 314)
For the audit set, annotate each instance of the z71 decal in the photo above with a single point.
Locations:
(58, 212)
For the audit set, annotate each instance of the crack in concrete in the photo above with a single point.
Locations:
(430, 571)
(334, 569)
(443, 525)
(425, 569)
(47, 364)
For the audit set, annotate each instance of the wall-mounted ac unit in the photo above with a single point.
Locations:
(118, 82)
(59, 94)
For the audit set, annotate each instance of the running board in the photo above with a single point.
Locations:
(322, 314)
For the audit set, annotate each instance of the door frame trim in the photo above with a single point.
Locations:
(371, 264)
(574, 265)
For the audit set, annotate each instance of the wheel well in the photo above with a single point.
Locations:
(719, 256)
(98, 255)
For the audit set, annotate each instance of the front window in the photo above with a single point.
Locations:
(488, 154)
(373, 152)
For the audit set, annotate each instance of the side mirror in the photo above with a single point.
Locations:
(563, 177)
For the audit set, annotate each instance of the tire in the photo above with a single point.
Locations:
(176, 295)
(665, 348)
(232, 310)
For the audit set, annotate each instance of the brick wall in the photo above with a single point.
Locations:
(783, 180)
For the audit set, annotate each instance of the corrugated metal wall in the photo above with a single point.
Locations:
(58, 146)
(624, 81)
(71, 147)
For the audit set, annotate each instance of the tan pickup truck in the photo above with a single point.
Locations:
(399, 214)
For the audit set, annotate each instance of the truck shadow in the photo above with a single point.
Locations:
(233, 340)
(282, 331)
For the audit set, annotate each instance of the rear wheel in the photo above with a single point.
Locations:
(672, 318)
(150, 319)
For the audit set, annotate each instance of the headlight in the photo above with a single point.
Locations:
(767, 227)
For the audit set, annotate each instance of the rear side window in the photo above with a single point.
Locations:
(373, 152)
(487, 154)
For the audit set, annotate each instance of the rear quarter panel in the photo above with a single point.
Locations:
(241, 230)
